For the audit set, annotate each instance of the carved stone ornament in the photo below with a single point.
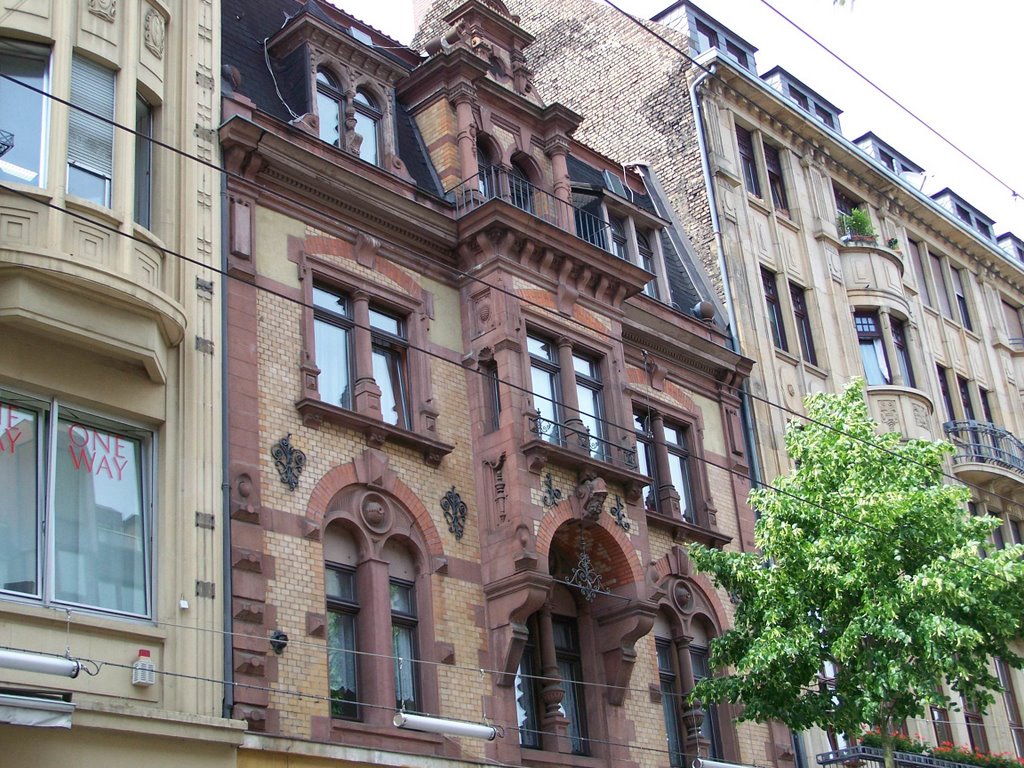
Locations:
(104, 9)
(153, 33)
(288, 460)
(455, 512)
(551, 495)
(375, 513)
(592, 493)
(619, 513)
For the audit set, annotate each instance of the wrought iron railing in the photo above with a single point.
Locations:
(875, 755)
(982, 442)
(498, 183)
(579, 437)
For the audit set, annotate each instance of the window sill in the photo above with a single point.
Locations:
(539, 758)
(102, 212)
(787, 356)
(681, 529)
(377, 433)
(93, 622)
(388, 738)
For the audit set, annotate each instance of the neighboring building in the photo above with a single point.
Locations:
(514, 401)
(928, 310)
(110, 440)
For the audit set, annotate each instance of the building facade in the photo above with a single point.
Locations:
(829, 259)
(480, 400)
(110, 388)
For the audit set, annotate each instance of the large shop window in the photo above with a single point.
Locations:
(74, 515)
(25, 111)
(91, 131)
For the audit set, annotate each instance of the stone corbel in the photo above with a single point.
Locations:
(620, 628)
(510, 602)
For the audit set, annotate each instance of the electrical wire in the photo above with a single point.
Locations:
(456, 271)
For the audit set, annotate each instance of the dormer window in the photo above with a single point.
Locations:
(618, 229)
(330, 107)
(368, 117)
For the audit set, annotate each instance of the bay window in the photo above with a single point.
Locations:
(91, 131)
(25, 111)
(75, 517)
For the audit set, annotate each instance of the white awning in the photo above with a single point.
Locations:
(32, 710)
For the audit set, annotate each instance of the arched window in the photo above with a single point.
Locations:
(330, 107)
(646, 253)
(342, 556)
(486, 170)
(368, 118)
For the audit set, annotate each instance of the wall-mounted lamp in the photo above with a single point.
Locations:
(447, 727)
(34, 662)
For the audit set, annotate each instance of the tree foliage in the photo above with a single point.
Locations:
(868, 564)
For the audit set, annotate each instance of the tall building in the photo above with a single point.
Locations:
(479, 401)
(110, 394)
(830, 260)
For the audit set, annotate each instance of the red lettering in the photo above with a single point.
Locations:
(118, 446)
(81, 432)
(104, 466)
(80, 458)
(120, 465)
(13, 435)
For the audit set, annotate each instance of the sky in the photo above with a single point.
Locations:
(956, 66)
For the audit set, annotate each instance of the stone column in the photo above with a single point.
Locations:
(366, 393)
(558, 150)
(668, 496)
(553, 724)
(575, 432)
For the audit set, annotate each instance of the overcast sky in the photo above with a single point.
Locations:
(957, 66)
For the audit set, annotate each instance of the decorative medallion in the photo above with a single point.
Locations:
(619, 513)
(375, 513)
(584, 577)
(288, 460)
(104, 9)
(551, 495)
(153, 33)
(454, 512)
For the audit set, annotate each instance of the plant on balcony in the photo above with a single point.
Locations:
(867, 589)
(902, 742)
(856, 226)
(944, 751)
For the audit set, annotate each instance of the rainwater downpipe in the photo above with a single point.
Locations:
(745, 411)
(225, 486)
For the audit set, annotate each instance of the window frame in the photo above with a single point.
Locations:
(773, 303)
(748, 161)
(346, 607)
(904, 359)
(776, 180)
(28, 52)
(142, 212)
(365, 106)
(49, 415)
(959, 277)
(329, 89)
(88, 164)
(872, 338)
(409, 622)
(802, 318)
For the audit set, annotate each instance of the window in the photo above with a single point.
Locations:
(975, 725)
(143, 162)
(330, 107)
(618, 230)
(91, 136)
(872, 348)
(646, 253)
(527, 693)
(492, 395)
(844, 203)
(25, 111)
(899, 341)
(1012, 707)
(670, 700)
(663, 453)
(941, 291)
(825, 116)
(520, 188)
(709, 729)
(748, 166)
(389, 346)
(940, 722)
(964, 387)
(403, 635)
(368, 117)
(773, 167)
(570, 670)
(917, 262)
(339, 332)
(559, 401)
(959, 279)
(947, 399)
(803, 323)
(1014, 327)
(75, 519)
(706, 37)
(736, 53)
(771, 298)
(342, 666)
(800, 99)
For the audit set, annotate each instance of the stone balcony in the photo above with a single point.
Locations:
(902, 409)
(987, 455)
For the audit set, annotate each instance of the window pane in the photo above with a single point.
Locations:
(143, 162)
(99, 526)
(405, 673)
(90, 139)
(543, 385)
(387, 372)
(390, 324)
(19, 520)
(341, 663)
(366, 127)
(526, 701)
(328, 110)
(670, 703)
(341, 585)
(332, 358)
(24, 111)
(678, 467)
(572, 704)
(402, 599)
(872, 350)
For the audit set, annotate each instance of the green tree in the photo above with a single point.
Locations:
(868, 564)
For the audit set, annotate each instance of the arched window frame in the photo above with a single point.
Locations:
(368, 117)
(330, 95)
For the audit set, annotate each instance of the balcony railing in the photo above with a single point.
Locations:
(594, 446)
(497, 183)
(984, 443)
(874, 755)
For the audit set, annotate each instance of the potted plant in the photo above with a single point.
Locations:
(856, 227)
